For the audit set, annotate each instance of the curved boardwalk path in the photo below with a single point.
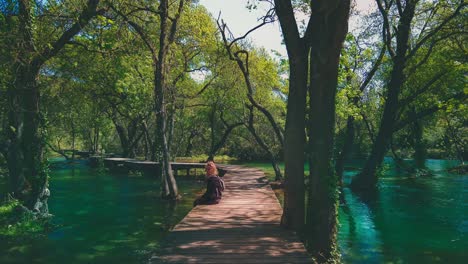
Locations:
(242, 228)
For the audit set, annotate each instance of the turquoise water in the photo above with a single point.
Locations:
(102, 218)
(412, 220)
(116, 218)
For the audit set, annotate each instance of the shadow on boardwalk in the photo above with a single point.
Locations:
(242, 228)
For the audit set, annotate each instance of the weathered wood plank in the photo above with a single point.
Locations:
(243, 228)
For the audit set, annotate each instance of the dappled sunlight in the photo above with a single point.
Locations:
(244, 225)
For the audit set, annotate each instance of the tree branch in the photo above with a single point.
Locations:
(406, 101)
(437, 29)
(86, 15)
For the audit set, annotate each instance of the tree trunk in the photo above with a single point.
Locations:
(124, 141)
(330, 27)
(96, 140)
(170, 134)
(294, 138)
(367, 179)
(211, 118)
(73, 132)
(28, 177)
(151, 146)
(27, 168)
(215, 147)
(188, 150)
(263, 145)
(344, 154)
(419, 146)
(294, 141)
(346, 149)
(169, 188)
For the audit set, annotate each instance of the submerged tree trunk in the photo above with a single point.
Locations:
(344, 155)
(27, 170)
(349, 136)
(346, 149)
(169, 188)
(420, 152)
(73, 132)
(27, 167)
(330, 22)
(367, 179)
(167, 32)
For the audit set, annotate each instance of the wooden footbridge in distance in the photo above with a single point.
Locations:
(145, 165)
(243, 228)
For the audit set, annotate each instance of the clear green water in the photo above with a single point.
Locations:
(422, 220)
(412, 220)
(112, 218)
(102, 218)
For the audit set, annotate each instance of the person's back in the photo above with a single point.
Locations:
(214, 186)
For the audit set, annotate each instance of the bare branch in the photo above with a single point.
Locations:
(374, 69)
(386, 34)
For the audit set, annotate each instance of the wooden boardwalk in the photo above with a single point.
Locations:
(242, 228)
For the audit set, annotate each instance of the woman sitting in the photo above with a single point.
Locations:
(214, 186)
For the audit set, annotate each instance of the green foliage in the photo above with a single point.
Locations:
(16, 223)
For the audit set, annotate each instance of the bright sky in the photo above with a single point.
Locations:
(240, 20)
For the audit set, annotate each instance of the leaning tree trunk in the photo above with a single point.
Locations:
(367, 179)
(349, 137)
(215, 147)
(330, 28)
(263, 145)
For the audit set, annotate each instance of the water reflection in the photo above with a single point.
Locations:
(102, 218)
(412, 220)
(115, 218)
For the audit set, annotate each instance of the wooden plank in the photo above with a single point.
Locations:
(243, 228)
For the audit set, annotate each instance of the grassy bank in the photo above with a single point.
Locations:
(17, 223)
